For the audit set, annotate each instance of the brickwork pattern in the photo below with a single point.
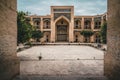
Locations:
(112, 58)
(9, 63)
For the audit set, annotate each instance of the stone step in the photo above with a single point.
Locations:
(35, 77)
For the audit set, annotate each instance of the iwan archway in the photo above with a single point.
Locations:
(62, 29)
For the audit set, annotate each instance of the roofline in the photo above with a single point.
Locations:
(62, 6)
(48, 15)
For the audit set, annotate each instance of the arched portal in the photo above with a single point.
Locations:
(111, 58)
(97, 38)
(62, 30)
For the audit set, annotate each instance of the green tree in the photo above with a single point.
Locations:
(103, 33)
(24, 28)
(86, 32)
(37, 34)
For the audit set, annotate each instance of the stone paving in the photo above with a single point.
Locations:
(37, 77)
(61, 52)
(62, 60)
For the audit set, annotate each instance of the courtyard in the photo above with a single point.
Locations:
(62, 60)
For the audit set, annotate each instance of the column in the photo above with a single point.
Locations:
(53, 31)
(71, 26)
(31, 21)
(92, 28)
(92, 38)
(70, 32)
(112, 57)
(9, 63)
(92, 23)
(82, 26)
(41, 25)
(82, 23)
(102, 21)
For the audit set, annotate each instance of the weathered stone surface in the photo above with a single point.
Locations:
(37, 77)
(112, 58)
(59, 60)
(61, 52)
(9, 63)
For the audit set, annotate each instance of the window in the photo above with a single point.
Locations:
(47, 38)
(97, 39)
(87, 39)
(46, 24)
(76, 38)
(77, 24)
(97, 25)
(87, 25)
(62, 22)
(62, 10)
(37, 24)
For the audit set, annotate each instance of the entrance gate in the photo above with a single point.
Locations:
(62, 33)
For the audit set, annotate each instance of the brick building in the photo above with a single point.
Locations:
(63, 26)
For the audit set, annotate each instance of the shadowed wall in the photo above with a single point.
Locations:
(9, 63)
(112, 58)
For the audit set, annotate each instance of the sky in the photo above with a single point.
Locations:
(81, 7)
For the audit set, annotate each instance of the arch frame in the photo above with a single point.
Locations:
(62, 17)
(68, 26)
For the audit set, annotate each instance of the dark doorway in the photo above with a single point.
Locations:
(62, 33)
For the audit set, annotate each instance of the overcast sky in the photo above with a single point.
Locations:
(81, 7)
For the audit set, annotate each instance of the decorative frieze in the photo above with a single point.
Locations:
(62, 10)
(67, 15)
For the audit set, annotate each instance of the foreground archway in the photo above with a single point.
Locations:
(9, 64)
(112, 58)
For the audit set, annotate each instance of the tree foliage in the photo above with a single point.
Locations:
(103, 33)
(37, 34)
(87, 32)
(24, 28)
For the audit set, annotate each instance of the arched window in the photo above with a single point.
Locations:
(46, 24)
(77, 24)
(97, 25)
(37, 24)
(87, 24)
(97, 39)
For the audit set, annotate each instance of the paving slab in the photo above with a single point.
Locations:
(35, 77)
(61, 52)
(60, 60)
(56, 68)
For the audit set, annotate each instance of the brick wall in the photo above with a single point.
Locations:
(9, 63)
(112, 58)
